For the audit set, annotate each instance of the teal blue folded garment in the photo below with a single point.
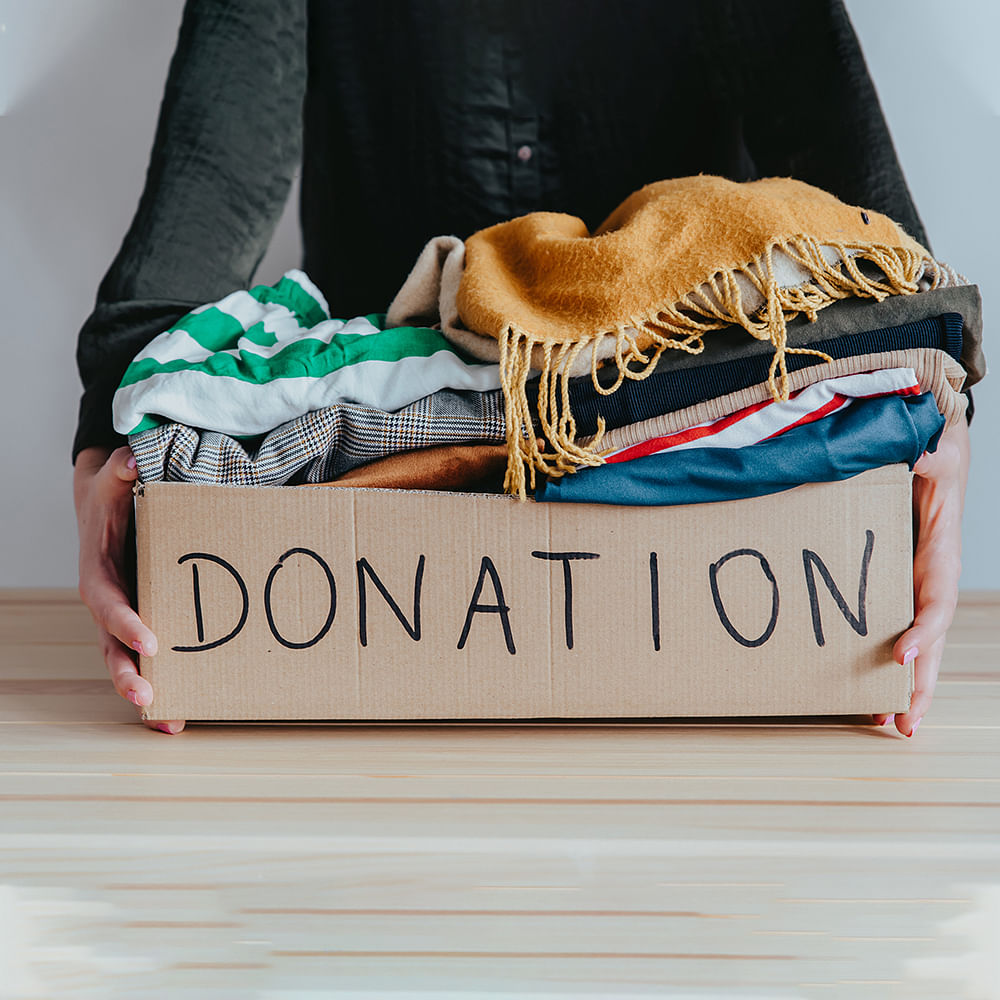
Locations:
(868, 434)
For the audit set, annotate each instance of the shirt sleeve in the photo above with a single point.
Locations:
(813, 112)
(227, 144)
(812, 109)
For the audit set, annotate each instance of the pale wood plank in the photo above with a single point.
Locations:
(53, 661)
(772, 858)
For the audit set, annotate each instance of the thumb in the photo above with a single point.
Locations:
(121, 465)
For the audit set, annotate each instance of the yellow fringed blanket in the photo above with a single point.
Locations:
(674, 261)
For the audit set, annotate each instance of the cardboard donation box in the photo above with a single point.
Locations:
(332, 603)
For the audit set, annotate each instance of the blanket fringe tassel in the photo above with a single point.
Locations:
(681, 326)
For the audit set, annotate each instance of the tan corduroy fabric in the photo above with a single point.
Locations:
(676, 260)
(936, 372)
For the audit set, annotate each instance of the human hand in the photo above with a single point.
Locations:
(102, 491)
(939, 483)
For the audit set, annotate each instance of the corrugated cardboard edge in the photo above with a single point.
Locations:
(144, 597)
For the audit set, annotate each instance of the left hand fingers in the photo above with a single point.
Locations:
(938, 496)
(936, 597)
(925, 675)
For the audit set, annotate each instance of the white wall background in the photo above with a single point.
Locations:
(80, 84)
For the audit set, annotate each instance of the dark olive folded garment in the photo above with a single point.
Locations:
(680, 381)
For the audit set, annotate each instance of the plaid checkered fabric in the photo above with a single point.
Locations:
(318, 446)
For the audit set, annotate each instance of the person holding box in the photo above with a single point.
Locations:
(416, 118)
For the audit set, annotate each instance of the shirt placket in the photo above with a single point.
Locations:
(523, 148)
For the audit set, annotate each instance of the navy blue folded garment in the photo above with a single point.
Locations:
(674, 389)
(867, 434)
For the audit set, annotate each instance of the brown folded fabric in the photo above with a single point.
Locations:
(676, 260)
(936, 371)
(476, 468)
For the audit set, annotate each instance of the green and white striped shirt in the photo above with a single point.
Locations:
(257, 359)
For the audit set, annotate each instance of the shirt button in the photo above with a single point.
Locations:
(524, 154)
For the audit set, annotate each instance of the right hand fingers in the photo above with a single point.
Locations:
(124, 675)
(130, 684)
(102, 592)
(103, 505)
(102, 488)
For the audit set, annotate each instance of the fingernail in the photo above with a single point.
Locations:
(137, 646)
(133, 696)
(916, 725)
(131, 462)
(165, 728)
(889, 719)
(910, 655)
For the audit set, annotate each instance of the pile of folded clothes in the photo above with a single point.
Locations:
(710, 341)
(264, 388)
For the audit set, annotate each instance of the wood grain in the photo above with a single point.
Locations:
(752, 858)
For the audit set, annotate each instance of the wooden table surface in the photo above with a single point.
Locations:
(766, 859)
